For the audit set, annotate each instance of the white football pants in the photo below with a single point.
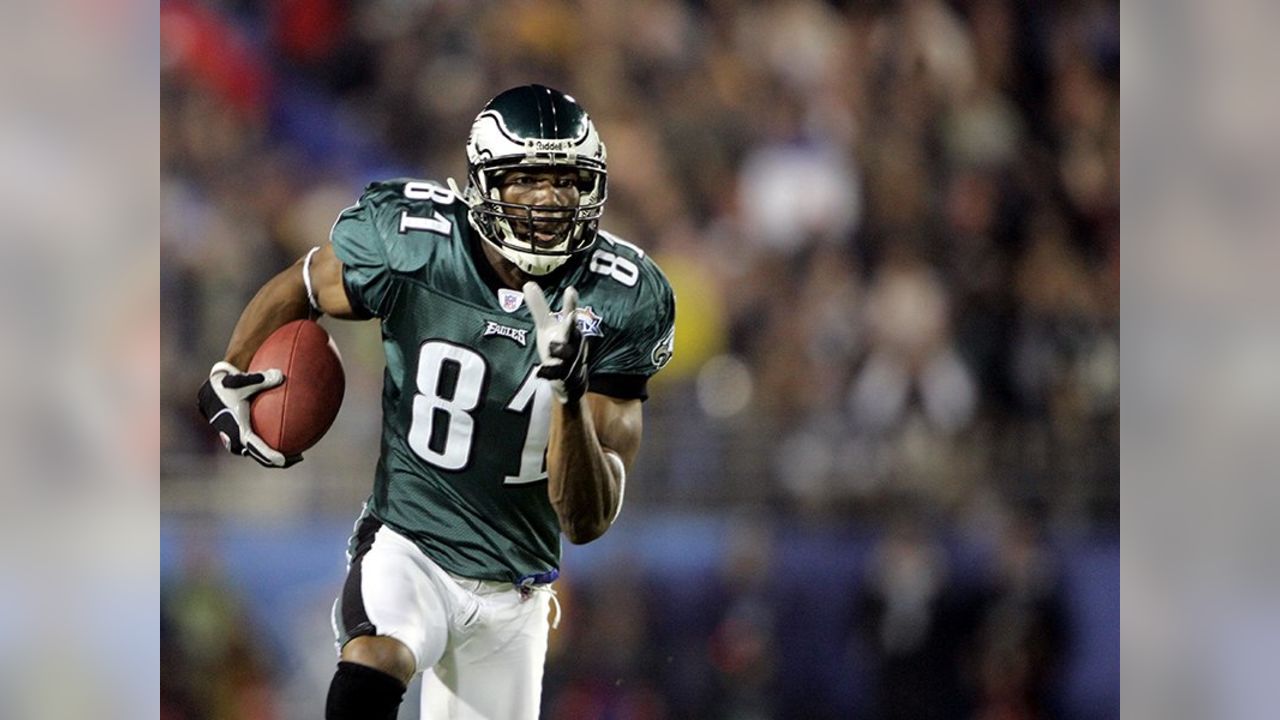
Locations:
(481, 644)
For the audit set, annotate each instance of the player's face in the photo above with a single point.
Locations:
(547, 188)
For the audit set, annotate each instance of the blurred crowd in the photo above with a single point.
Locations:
(905, 640)
(892, 226)
(893, 230)
(776, 622)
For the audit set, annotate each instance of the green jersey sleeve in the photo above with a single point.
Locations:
(644, 342)
(376, 253)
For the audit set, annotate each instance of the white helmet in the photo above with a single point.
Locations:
(533, 126)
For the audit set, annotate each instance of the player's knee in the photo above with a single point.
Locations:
(382, 653)
(358, 692)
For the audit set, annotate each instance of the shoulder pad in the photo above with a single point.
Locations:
(388, 213)
(637, 301)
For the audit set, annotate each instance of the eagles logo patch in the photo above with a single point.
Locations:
(665, 348)
(520, 335)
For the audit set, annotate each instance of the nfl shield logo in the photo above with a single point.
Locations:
(510, 300)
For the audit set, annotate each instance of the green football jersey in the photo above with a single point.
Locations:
(462, 471)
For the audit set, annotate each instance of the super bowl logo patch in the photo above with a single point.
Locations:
(588, 321)
(510, 300)
(520, 335)
(663, 351)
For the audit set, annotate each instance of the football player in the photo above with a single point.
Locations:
(519, 338)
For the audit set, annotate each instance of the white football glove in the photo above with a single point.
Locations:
(561, 347)
(224, 402)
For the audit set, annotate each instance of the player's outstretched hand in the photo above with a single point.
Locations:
(561, 347)
(224, 402)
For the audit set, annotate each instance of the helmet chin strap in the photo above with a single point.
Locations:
(453, 185)
(528, 262)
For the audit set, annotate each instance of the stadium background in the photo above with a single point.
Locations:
(879, 478)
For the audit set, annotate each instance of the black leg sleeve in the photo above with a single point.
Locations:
(359, 692)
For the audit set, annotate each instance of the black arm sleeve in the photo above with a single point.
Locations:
(622, 387)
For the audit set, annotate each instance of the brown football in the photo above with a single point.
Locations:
(294, 415)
